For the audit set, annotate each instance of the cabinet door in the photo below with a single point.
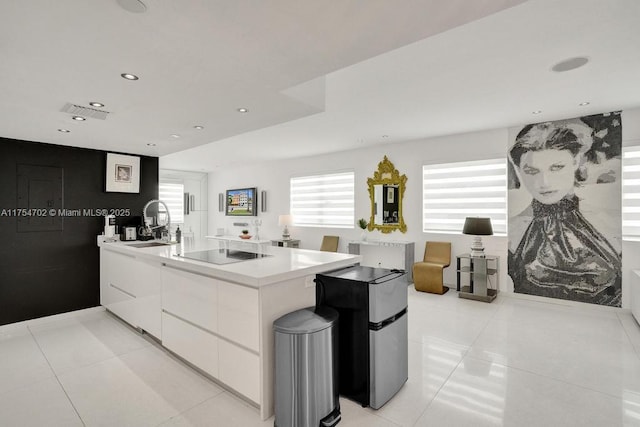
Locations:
(190, 296)
(239, 369)
(118, 290)
(131, 288)
(238, 314)
(148, 289)
(191, 343)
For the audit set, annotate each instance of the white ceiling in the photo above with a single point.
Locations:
(317, 77)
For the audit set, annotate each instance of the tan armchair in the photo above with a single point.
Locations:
(427, 275)
(329, 243)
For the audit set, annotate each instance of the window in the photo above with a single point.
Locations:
(173, 195)
(323, 200)
(453, 191)
(631, 193)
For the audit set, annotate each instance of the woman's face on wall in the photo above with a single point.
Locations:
(549, 175)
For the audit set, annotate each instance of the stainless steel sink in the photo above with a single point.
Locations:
(148, 244)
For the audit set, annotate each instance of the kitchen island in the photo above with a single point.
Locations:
(215, 315)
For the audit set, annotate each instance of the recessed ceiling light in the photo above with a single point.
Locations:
(79, 118)
(175, 135)
(385, 136)
(582, 104)
(96, 104)
(64, 130)
(570, 64)
(243, 110)
(129, 76)
(133, 6)
(536, 112)
(198, 127)
(151, 144)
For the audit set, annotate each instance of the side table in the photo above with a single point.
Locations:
(481, 271)
(291, 243)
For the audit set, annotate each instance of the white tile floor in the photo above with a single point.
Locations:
(513, 362)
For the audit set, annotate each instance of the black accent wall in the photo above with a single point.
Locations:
(50, 269)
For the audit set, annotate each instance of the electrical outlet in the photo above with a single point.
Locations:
(309, 282)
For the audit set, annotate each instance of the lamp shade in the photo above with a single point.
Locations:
(477, 226)
(284, 220)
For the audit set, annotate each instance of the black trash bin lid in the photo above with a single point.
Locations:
(306, 320)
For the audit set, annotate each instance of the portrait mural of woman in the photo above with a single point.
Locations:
(565, 209)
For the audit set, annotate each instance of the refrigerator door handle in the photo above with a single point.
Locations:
(376, 326)
(388, 277)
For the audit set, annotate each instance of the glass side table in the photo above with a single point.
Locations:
(475, 274)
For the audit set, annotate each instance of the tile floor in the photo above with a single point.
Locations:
(514, 362)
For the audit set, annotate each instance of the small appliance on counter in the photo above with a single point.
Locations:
(110, 228)
(130, 233)
(373, 345)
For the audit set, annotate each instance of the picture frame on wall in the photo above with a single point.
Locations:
(242, 202)
(122, 174)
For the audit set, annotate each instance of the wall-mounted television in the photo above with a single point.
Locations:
(242, 202)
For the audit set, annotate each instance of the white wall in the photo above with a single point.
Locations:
(408, 158)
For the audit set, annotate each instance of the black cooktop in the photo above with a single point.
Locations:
(222, 256)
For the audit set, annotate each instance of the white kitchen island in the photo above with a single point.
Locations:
(219, 318)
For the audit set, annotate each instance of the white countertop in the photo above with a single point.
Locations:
(284, 264)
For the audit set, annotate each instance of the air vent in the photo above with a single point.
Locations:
(79, 110)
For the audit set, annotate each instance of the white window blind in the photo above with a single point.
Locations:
(173, 195)
(631, 193)
(323, 200)
(453, 191)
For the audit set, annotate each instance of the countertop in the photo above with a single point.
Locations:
(284, 264)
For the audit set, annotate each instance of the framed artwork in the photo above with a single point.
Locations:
(390, 194)
(565, 222)
(242, 202)
(123, 174)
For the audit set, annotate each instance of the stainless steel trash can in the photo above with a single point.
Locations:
(306, 370)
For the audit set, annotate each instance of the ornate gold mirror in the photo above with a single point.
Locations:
(386, 190)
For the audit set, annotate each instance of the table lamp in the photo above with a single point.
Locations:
(477, 227)
(285, 220)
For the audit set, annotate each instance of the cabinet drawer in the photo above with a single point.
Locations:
(238, 314)
(191, 343)
(240, 370)
(121, 303)
(191, 296)
(120, 270)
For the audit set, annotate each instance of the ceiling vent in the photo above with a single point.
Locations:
(79, 110)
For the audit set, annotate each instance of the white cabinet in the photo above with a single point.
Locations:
(238, 315)
(213, 324)
(130, 288)
(190, 296)
(240, 369)
(193, 344)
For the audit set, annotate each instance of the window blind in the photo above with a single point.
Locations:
(173, 195)
(323, 200)
(631, 193)
(453, 191)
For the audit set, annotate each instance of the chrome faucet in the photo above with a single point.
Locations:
(166, 233)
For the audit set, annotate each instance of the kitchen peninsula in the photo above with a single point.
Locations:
(216, 313)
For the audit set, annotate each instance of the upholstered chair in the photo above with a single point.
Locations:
(329, 244)
(428, 274)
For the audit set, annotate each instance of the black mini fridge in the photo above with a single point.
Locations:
(372, 307)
